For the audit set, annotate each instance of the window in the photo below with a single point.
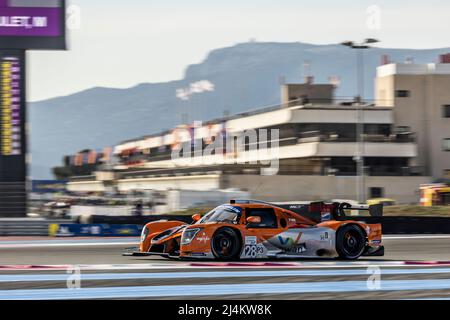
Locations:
(402, 93)
(376, 192)
(446, 144)
(222, 214)
(446, 111)
(268, 218)
(402, 129)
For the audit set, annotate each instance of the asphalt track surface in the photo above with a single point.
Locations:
(414, 267)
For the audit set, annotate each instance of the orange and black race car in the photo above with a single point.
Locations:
(247, 229)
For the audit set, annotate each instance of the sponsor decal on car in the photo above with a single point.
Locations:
(288, 241)
(203, 238)
(198, 254)
(251, 240)
(301, 248)
(326, 214)
(324, 236)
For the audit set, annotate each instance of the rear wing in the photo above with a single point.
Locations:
(375, 210)
(321, 211)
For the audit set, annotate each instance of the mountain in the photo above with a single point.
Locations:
(246, 76)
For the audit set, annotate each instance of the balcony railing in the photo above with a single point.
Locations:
(375, 171)
(304, 137)
(317, 136)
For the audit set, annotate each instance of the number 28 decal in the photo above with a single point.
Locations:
(253, 251)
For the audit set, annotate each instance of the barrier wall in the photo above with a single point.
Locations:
(411, 225)
(132, 226)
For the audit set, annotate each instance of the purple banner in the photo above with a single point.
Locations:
(34, 22)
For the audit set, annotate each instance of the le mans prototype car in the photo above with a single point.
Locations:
(247, 229)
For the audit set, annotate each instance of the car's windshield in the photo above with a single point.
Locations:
(222, 214)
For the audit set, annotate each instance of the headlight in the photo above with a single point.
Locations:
(144, 234)
(189, 235)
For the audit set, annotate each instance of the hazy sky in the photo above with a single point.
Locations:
(123, 43)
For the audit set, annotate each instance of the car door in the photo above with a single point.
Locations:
(258, 234)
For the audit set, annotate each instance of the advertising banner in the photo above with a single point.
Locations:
(94, 230)
(32, 24)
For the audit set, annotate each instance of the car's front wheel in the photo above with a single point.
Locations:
(350, 242)
(226, 244)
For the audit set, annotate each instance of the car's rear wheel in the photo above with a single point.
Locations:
(226, 244)
(350, 242)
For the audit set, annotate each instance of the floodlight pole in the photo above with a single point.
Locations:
(360, 181)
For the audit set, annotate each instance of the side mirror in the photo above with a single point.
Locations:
(253, 220)
(196, 217)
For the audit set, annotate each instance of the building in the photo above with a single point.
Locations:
(307, 92)
(420, 95)
(309, 156)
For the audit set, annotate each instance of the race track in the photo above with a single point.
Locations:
(415, 267)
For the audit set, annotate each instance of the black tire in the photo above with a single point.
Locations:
(350, 242)
(226, 244)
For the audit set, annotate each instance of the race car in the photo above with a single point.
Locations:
(249, 229)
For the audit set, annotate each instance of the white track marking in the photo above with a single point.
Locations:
(412, 237)
(222, 289)
(217, 274)
(67, 243)
(218, 266)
